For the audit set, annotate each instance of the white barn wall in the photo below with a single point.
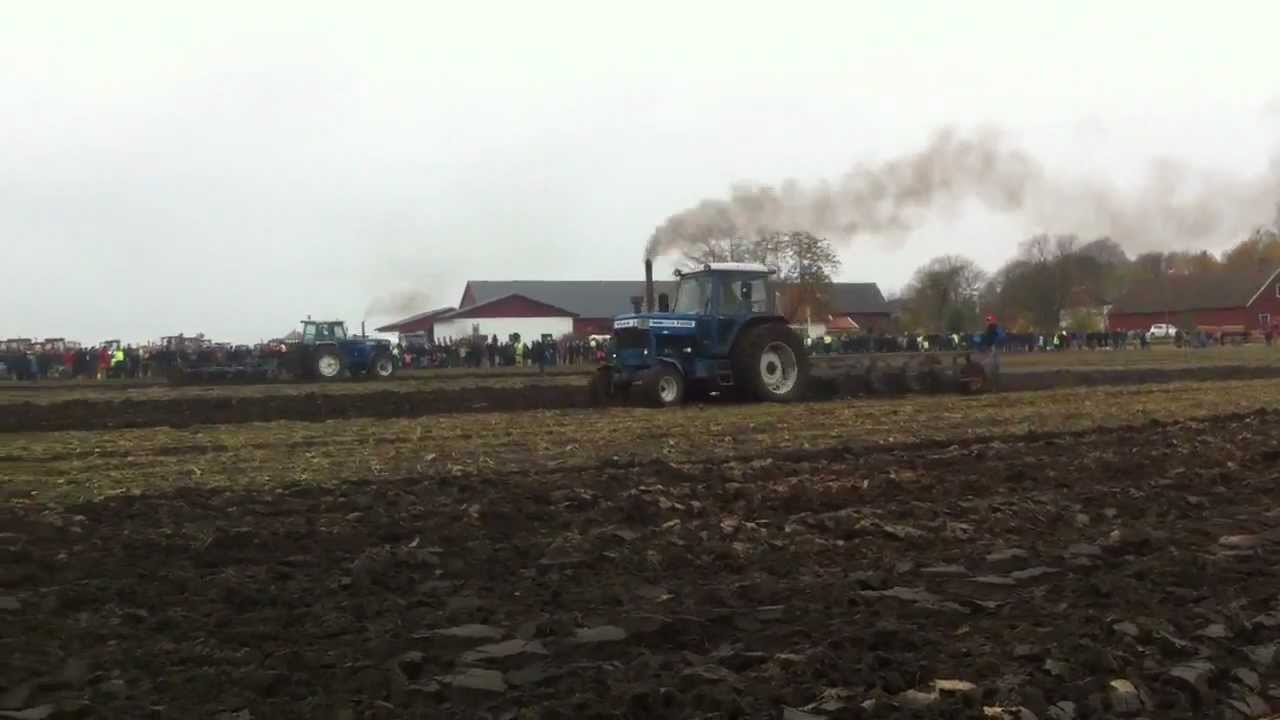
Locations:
(529, 328)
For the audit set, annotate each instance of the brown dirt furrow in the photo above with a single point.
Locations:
(186, 411)
(1086, 575)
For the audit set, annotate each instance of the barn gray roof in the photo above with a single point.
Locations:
(857, 298)
(393, 326)
(607, 298)
(585, 298)
(1220, 289)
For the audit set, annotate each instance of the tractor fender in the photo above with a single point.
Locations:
(751, 323)
(672, 363)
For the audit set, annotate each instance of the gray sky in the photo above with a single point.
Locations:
(233, 169)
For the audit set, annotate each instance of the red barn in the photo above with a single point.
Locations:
(422, 323)
(1250, 299)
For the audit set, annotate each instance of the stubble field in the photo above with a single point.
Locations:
(1089, 552)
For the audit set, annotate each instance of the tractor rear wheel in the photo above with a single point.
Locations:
(382, 366)
(328, 364)
(771, 363)
(664, 386)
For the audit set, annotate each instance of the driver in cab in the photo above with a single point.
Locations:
(736, 298)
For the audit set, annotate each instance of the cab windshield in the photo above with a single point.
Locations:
(693, 295)
(740, 293)
(323, 332)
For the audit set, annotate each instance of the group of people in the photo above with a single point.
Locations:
(478, 352)
(94, 363)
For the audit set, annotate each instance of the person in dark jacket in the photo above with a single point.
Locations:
(990, 339)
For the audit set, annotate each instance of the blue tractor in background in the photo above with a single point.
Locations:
(723, 333)
(323, 352)
(326, 351)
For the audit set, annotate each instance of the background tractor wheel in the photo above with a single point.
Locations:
(382, 366)
(664, 386)
(771, 364)
(328, 364)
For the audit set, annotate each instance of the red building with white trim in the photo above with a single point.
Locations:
(1249, 299)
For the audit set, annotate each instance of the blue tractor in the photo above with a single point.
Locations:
(323, 352)
(326, 350)
(722, 333)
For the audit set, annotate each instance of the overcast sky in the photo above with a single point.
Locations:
(232, 169)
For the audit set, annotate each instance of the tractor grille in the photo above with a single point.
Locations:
(633, 339)
(675, 346)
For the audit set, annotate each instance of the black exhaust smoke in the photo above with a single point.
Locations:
(648, 284)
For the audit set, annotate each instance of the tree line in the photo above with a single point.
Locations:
(1051, 281)
(1059, 280)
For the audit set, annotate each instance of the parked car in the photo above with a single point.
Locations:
(1162, 330)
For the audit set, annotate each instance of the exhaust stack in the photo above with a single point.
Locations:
(648, 284)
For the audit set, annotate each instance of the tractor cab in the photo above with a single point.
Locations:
(721, 331)
(317, 332)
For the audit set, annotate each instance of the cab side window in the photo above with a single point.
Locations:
(730, 303)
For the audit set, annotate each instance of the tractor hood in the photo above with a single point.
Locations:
(665, 323)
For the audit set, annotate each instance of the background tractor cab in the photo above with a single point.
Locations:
(721, 332)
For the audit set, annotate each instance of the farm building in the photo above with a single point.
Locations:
(848, 307)
(421, 324)
(590, 305)
(534, 308)
(1249, 299)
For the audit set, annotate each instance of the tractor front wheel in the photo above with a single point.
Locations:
(664, 386)
(328, 364)
(770, 361)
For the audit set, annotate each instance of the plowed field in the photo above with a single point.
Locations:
(1104, 552)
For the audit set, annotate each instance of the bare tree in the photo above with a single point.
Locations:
(1260, 249)
(943, 294)
(1049, 276)
(718, 249)
(806, 265)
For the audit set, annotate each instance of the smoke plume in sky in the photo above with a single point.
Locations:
(1175, 205)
